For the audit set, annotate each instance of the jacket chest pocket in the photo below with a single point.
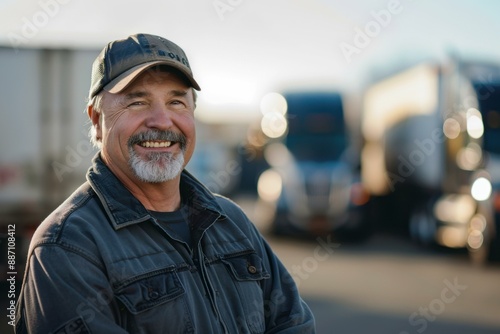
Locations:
(247, 273)
(158, 295)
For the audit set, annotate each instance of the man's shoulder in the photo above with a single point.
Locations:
(73, 211)
(229, 206)
(235, 213)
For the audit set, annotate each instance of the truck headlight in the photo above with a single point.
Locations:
(269, 185)
(481, 189)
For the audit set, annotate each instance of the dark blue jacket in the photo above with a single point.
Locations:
(101, 263)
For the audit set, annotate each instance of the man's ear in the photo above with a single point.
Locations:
(95, 118)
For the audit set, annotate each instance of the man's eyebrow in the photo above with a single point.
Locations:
(179, 93)
(135, 94)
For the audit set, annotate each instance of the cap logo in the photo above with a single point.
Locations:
(179, 59)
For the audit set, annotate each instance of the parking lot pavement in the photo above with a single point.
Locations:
(390, 285)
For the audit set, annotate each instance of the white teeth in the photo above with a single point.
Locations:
(156, 144)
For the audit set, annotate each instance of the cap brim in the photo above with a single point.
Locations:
(123, 80)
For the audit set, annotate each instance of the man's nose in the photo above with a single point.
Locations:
(159, 117)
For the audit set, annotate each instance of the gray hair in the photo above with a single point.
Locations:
(96, 103)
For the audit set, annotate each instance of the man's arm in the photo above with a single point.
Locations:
(286, 312)
(65, 292)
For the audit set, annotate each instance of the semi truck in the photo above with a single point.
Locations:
(313, 181)
(430, 154)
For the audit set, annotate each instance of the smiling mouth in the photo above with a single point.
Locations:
(149, 144)
(154, 139)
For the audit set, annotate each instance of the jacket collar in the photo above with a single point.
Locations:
(124, 209)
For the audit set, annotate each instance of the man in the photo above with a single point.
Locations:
(142, 246)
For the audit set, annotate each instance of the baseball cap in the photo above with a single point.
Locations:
(121, 61)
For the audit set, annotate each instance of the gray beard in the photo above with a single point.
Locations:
(157, 167)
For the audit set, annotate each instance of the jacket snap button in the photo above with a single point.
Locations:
(252, 269)
(154, 294)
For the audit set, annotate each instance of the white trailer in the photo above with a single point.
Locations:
(429, 134)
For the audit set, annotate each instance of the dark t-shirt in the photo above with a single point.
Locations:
(175, 222)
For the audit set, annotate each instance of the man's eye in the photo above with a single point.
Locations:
(136, 103)
(178, 103)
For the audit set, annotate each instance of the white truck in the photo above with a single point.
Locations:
(430, 158)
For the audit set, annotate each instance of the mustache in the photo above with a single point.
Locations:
(152, 135)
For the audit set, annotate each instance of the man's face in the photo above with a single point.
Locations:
(148, 130)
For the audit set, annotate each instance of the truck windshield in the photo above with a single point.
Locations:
(316, 127)
(489, 104)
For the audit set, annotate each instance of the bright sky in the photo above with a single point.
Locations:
(242, 49)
